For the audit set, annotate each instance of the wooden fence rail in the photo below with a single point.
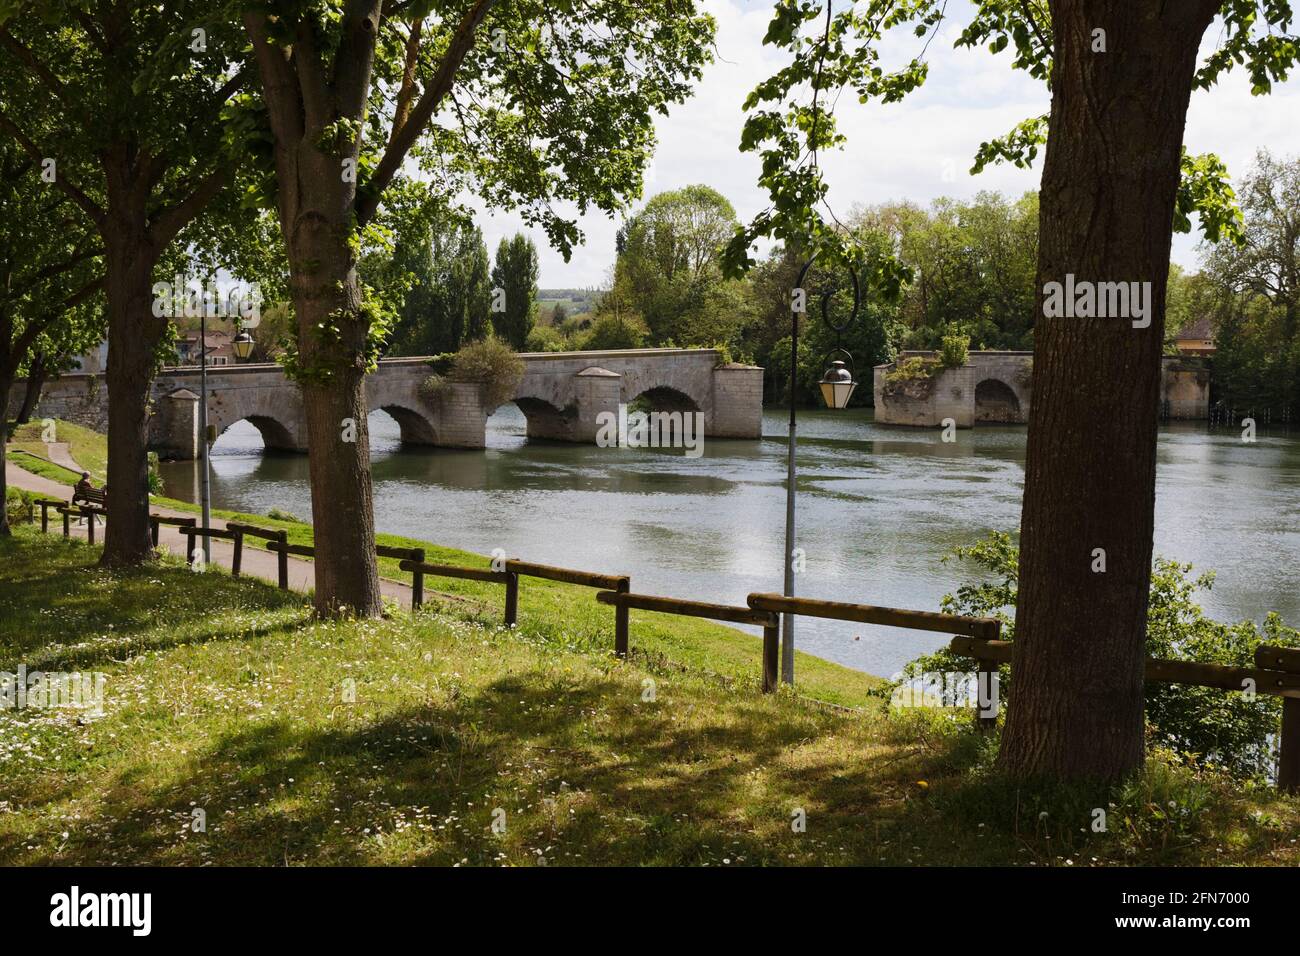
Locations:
(986, 629)
(769, 622)
(1277, 674)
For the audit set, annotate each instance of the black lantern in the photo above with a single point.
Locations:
(243, 346)
(837, 385)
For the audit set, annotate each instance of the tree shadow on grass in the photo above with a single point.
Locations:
(81, 615)
(584, 770)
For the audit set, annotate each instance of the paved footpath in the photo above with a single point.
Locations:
(255, 562)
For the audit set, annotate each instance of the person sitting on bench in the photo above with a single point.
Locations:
(85, 492)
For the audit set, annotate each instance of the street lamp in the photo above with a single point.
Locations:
(243, 345)
(837, 387)
(837, 384)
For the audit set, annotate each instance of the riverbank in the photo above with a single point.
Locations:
(236, 729)
(565, 612)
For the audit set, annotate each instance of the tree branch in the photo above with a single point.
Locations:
(40, 70)
(174, 218)
(88, 205)
(406, 92)
(461, 43)
(280, 86)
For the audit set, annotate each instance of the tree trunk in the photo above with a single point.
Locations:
(6, 384)
(326, 292)
(36, 376)
(133, 336)
(1110, 178)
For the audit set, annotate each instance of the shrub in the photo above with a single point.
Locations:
(611, 332)
(432, 388)
(155, 476)
(18, 504)
(954, 350)
(546, 338)
(1219, 727)
(279, 515)
(493, 364)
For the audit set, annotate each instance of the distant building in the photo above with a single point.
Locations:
(220, 351)
(94, 362)
(1196, 338)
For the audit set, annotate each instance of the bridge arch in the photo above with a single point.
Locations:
(277, 416)
(665, 398)
(401, 402)
(996, 401)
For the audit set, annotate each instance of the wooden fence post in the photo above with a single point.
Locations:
(67, 530)
(237, 559)
(189, 546)
(417, 579)
(90, 527)
(284, 559)
(153, 529)
(771, 655)
(45, 517)
(986, 685)
(512, 599)
(621, 621)
(1288, 763)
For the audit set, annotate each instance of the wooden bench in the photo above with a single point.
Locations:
(95, 498)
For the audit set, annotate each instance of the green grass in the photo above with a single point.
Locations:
(43, 467)
(562, 610)
(88, 448)
(226, 696)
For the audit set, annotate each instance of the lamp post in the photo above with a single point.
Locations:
(205, 483)
(837, 387)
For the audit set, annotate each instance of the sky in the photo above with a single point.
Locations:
(917, 150)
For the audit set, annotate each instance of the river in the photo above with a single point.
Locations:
(878, 509)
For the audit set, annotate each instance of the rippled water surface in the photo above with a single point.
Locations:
(878, 509)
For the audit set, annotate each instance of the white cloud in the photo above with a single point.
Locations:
(919, 149)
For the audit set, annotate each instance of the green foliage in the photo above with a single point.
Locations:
(954, 350)
(914, 368)
(490, 363)
(439, 268)
(1219, 727)
(1252, 293)
(19, 504)
(610, 331)
(669, 268)
(514, 280)
(547, 338)
(789, 127)
(433, 388)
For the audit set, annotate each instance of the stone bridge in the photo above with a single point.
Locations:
(996, 387)
(561, 395)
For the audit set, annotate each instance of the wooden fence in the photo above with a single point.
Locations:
(1276, 670)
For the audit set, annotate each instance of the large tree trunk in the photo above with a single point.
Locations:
(6, 384)
(326, 292)
(1109, 183)
(133, 335)
(36, 376)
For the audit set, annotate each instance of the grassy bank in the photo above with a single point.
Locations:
(88, 448)
(402, 741)
(563, 612)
